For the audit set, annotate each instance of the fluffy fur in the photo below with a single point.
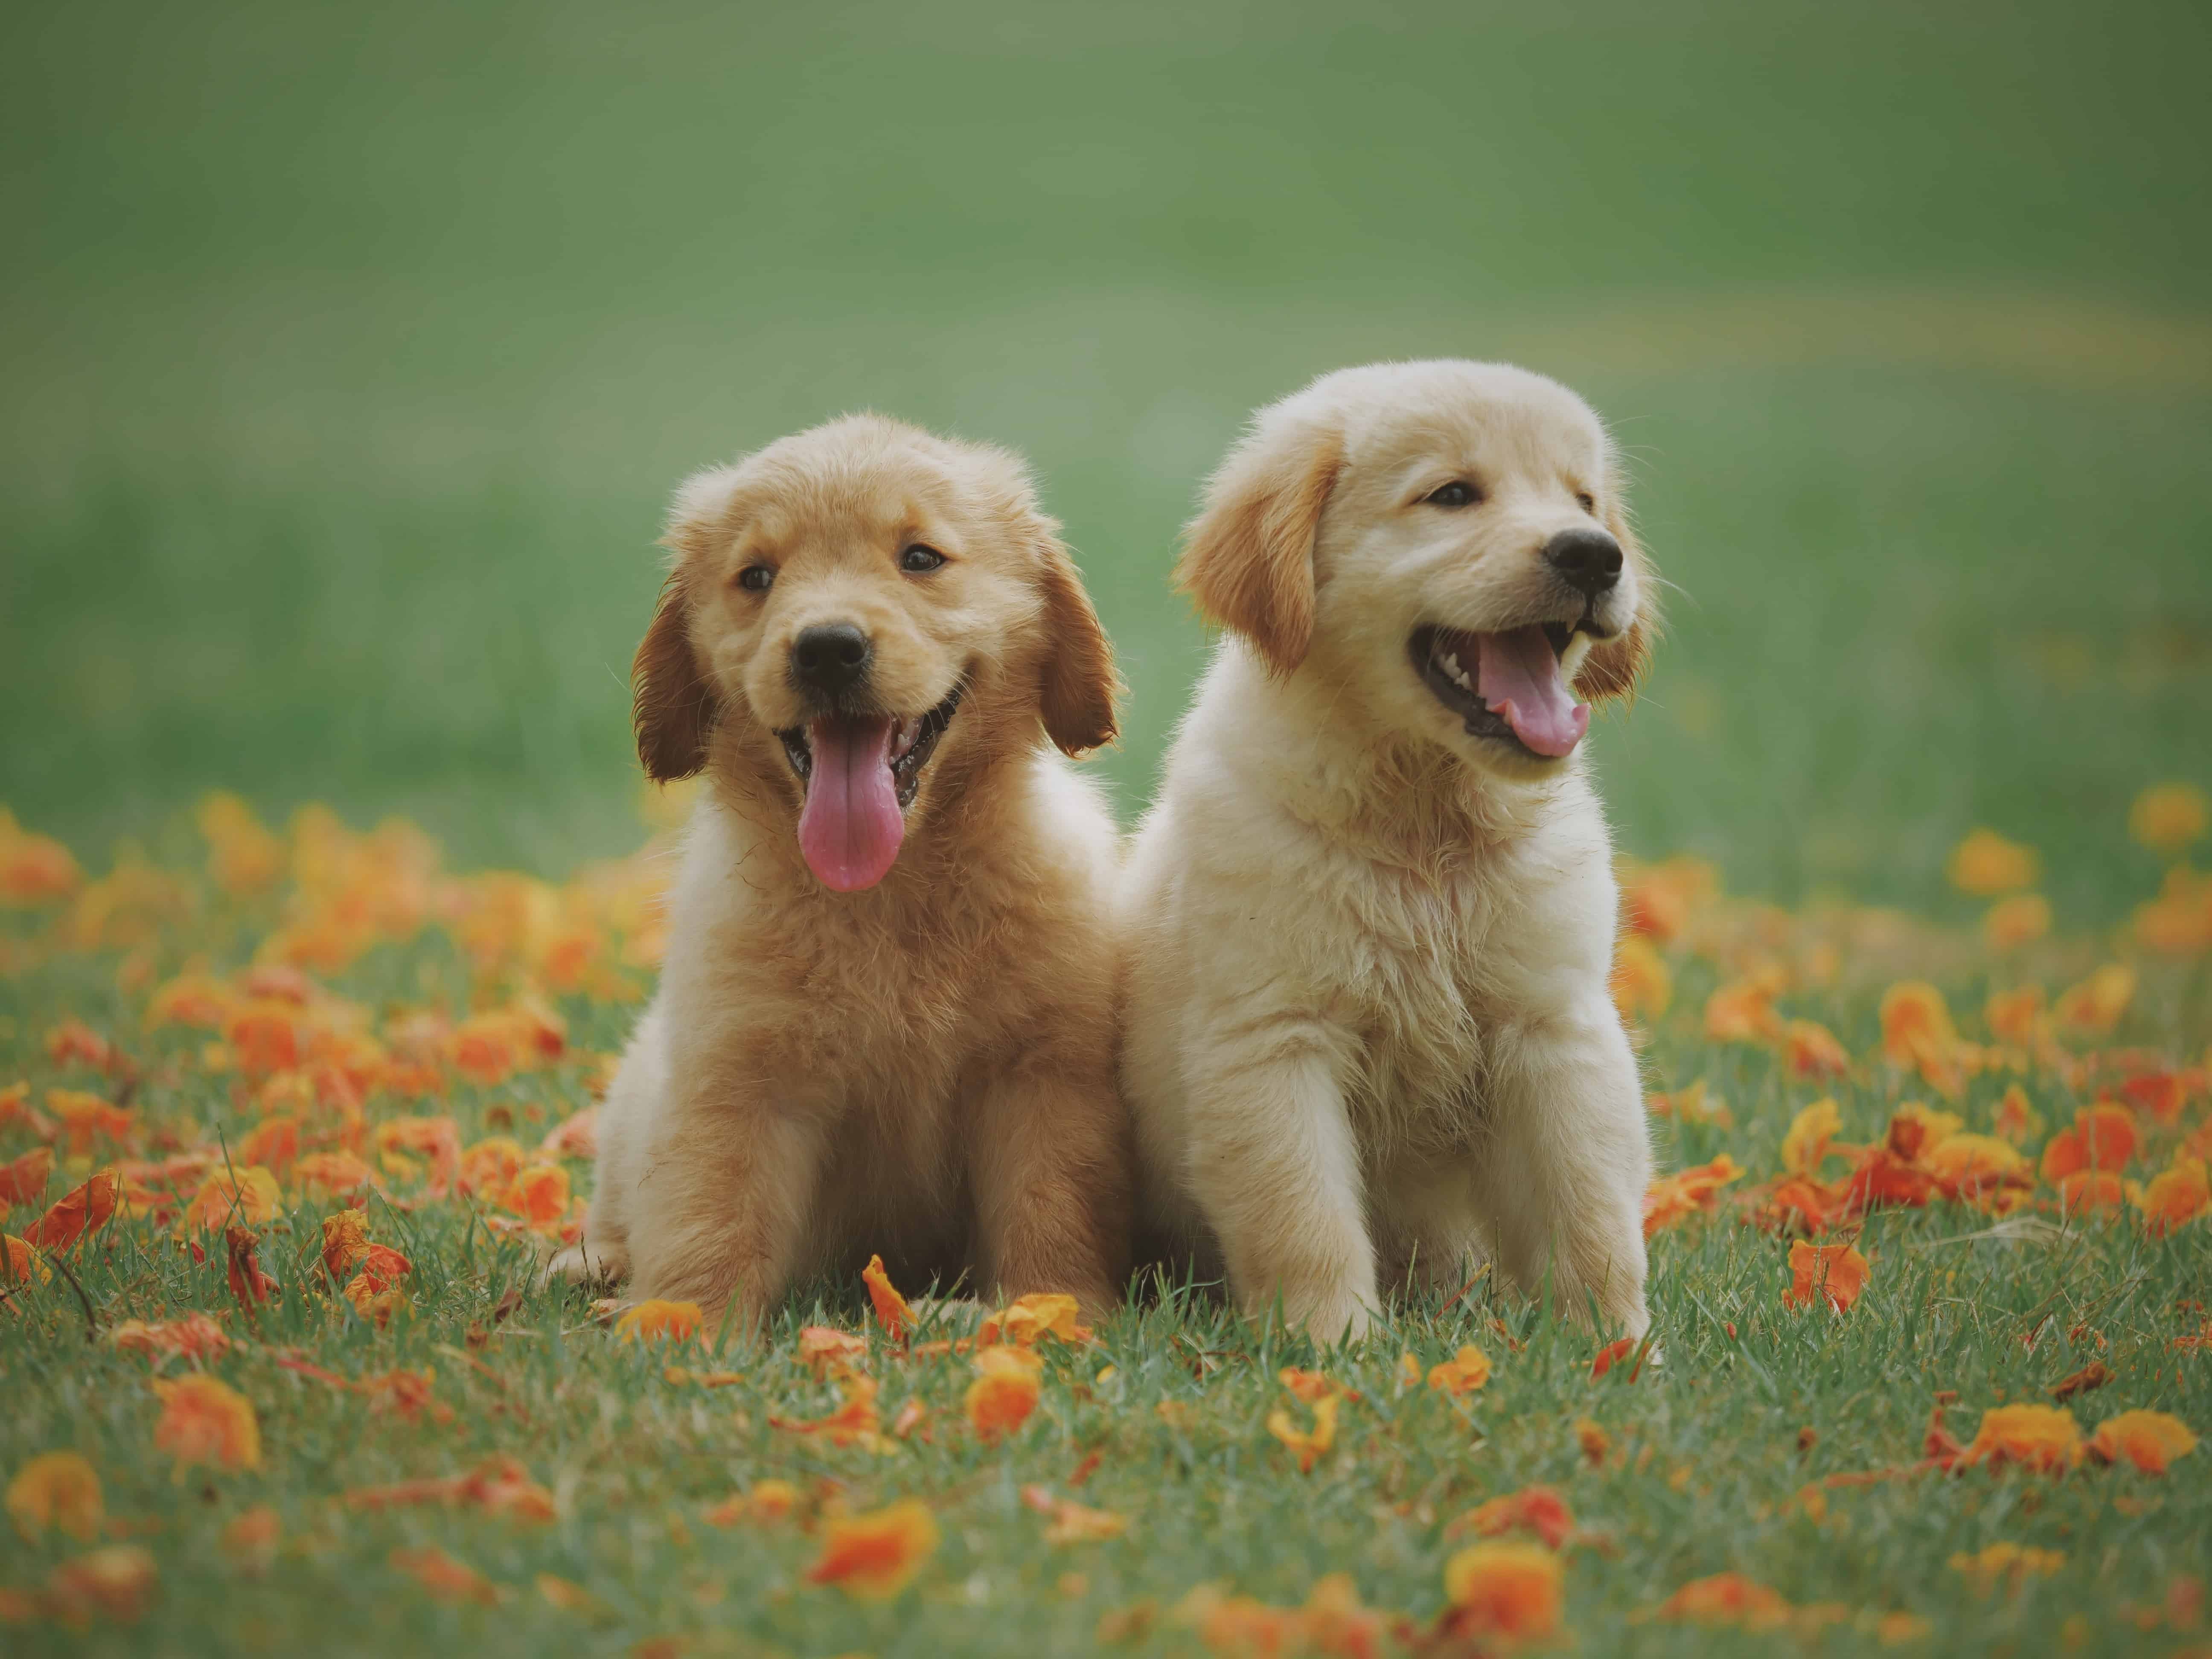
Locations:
(1368, 1036)
(924, 1068)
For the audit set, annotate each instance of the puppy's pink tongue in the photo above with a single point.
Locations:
(851, 828)
(1518, 676)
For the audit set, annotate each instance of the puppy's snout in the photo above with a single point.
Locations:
(1585, 558)
(830, 657)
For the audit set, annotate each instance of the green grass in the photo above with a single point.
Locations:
(1706, 1453)
(351, 356)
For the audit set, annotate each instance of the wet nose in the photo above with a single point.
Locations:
(1585, 558)
(830, 657)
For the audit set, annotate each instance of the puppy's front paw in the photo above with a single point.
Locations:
(587, 1263)
(1333, 1316)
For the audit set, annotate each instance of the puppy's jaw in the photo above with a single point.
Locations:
(913, 742)
(1510, 690)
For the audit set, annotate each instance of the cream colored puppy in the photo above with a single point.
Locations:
(1369, 922)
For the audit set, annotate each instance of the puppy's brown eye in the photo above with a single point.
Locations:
(919, 561)
(1588, 500)
(1457, 493)
(756, 578)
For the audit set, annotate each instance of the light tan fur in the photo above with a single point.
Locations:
(924, 1068)
(1368, 1031)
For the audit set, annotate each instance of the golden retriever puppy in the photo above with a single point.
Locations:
(1370, 920)
(886, 1015)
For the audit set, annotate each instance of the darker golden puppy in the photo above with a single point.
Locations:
(884, 1021)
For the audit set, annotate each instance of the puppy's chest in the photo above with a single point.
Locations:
(904, 1008)
(1422, 990)
(872, 992)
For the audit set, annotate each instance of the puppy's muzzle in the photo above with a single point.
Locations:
(1586, 559)
(830, 659)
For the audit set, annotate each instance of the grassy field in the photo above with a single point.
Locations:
(1785, 1464)
(351, 357)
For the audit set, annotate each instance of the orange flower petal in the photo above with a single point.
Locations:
(205, 1420)
(1506, 1590)
(1540, 1510)
(2176, 1196)
(856, 1422)
(824, 1348)
(1811, 1050)
(1462, 1374)
(246, 1198)
(1836, 1273)
(83, 1209)
(2094, 1007)
(1985, 864)
(1309, 1444)
(1006, 1389)
(2045, 1438)
(2149, 1440)
(1308, 1386)
(765, 1504)
(195, 1337)
(56, 1489)
(2167, 817)
(1028, 1320)
(656, 1320)
(2020, 920)
(1611, 1352)
(1805, 1144)
(25, 1179)
(539, 1194)
(1725, 1598)
(1686, 1192)
(874, 1556)
(1641, 985)
(250, 1538)
(892, 1310)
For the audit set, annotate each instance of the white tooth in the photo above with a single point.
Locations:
(1570, 660)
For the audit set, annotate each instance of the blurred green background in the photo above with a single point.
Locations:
(351, 352)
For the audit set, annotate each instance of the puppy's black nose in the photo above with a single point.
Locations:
(1588, 559)
(830, 657)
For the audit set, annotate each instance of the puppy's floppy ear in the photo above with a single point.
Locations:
(1079, 686)
(1247, 558)
(1614, 666)
(673, 705)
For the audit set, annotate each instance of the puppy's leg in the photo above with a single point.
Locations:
(721, 1207)
(633, 1102)
(1050, 1171)
(1563, 1178)
(1274, 1164)
(602, 1254)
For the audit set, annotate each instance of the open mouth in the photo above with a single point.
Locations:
(860, 772)
(1515, 686)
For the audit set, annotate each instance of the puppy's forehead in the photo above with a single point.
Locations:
(1470, 414)
(788, 497)
(863, 474)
